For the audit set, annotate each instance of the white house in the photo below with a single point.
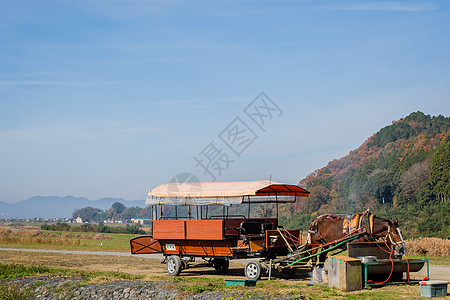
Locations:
(142, 221)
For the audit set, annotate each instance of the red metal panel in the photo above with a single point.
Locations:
(168, 229)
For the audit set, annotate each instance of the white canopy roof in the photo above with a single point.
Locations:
(224, 193)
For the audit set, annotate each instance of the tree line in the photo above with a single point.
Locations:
(117, 212)
(133, 229)
(403, 171)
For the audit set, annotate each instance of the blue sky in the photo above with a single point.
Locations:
(112, 98)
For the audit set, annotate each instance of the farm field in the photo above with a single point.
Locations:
(34, 237)
(105, 268)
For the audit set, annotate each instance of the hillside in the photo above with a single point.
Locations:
(401, 172)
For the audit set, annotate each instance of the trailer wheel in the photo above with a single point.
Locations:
(253, 270)
(221, 265)
(174, 265)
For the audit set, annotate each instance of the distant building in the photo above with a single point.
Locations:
(79, 220)
(142, 221)
(113, 221)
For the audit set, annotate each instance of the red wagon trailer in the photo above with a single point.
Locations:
(217, 238)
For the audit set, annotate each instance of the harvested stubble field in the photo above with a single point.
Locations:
(428, 246)
(35, 238)
(194, 281)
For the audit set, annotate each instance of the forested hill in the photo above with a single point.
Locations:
(401, 172)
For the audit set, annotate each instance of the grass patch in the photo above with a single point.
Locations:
(434, 260)
(299, 290)
(8, 271)
(200, 288)
(198, 285)
(14, 292)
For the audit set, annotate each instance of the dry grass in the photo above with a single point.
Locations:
(38, 237)
(4, 230)
(422, 246)
(428, 246)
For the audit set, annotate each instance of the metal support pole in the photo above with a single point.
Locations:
(270, 269)
(276, 199)
(365, 275)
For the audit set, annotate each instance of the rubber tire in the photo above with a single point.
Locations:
(221, 265)
(253, 270)
(174, 265)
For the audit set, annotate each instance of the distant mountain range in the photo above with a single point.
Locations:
(57, 207)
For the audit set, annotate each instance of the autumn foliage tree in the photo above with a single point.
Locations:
(401, 171)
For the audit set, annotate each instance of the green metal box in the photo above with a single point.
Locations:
(243, 282)
(433, 288)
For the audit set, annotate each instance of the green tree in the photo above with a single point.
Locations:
(440, 170)
(87, 213)
(319, 195)
(118, 208)
(132, 212)
(425, 195)
(380, 186)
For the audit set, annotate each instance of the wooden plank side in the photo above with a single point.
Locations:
(168, 229)
(145, 245)
(198, 248)
(211, 229)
